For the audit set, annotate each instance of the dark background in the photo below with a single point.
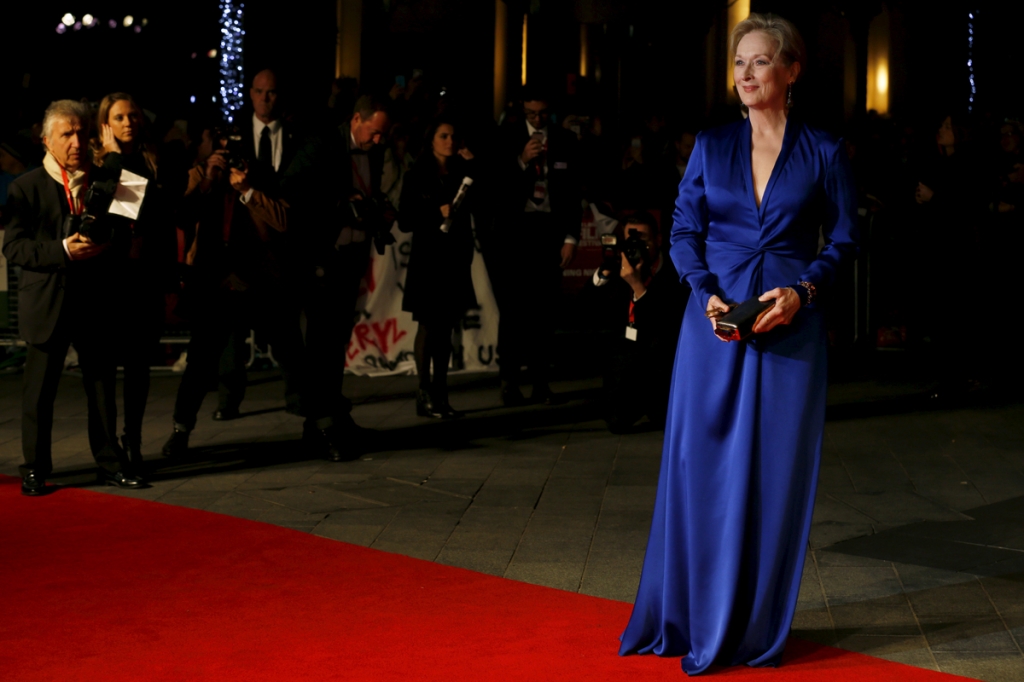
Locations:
(652, 55)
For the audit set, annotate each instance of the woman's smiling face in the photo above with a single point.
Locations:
(761, 79)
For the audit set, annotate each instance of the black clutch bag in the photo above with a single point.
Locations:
(738, 323)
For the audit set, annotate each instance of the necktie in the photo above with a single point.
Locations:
(266, 153)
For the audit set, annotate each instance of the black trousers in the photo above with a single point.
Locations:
(138, 337)
(636, 383)
(232, 377)
(527, 283)
(226, 313)
(43, 366)
(329, 302)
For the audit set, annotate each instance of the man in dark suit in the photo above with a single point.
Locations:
(338, 251)
(65, 287)
(243, 273)
(537, 228)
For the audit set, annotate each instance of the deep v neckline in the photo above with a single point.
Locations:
(788, 138)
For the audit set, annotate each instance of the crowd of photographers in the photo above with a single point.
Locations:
(267, 224)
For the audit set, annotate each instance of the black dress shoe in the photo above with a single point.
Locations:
(544, 395)
(33, 485)
(335, 444)
(133, 449)
(425, 406)
(511, 396)
(442, 406)
(176, 445)
(123, 480)
(343, 445)
(226, 414)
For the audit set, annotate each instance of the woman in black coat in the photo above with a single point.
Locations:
(146, 249)
(439, 284)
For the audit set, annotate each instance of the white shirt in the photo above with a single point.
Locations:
(275, 145)
(544, 206)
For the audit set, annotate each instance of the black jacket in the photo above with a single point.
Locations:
(514, 185)
(36, 208)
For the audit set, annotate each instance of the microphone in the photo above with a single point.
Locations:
(456, 202)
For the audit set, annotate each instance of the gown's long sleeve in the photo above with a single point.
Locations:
(839, 226)
(690, 229)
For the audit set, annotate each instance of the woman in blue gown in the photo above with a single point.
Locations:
(743, 439)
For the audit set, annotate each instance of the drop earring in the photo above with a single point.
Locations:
(789, 96)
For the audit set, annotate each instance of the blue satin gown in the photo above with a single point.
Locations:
(743, 439)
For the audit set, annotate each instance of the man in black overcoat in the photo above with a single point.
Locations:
(64, 293)
(345, 200)
(537, 228)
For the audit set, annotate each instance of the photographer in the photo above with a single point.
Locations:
(66, 285)
(643, 292)
(537, 228)
(145, 249)
(337, 253)
(242, 261)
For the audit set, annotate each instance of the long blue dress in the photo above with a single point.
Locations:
(743, 439)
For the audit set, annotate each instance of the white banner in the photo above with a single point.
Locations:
(382, 340)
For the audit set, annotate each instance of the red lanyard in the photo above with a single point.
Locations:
(632, 303)
(76, 206)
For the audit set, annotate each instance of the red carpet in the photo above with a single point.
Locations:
(101, 587)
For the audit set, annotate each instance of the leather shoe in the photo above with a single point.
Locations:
(176, 445)
(511, 396)
(333, 443)
(123, 480)
(33, 485)
(425, 405)
(544, 395)
(226, 414)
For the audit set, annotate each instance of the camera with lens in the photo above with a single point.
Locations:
(94, 223)
(634, 247)
(230, 138)
(376, 216)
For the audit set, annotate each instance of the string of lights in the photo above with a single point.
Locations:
(970, 61)
(69, 23)
(232, 78)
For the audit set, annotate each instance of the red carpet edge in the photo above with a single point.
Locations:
(105, 587)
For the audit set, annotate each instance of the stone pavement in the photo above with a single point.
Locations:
(917, 547)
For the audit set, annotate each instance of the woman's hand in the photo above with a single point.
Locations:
(787, 302)
(446, 210)
(716, 304)
(110, 143)
(466, 154)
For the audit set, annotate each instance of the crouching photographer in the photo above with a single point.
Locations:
(643, 294)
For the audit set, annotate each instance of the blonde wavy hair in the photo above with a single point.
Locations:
(789, 46)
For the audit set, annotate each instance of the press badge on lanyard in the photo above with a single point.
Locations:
(631, 332)
(540, 189)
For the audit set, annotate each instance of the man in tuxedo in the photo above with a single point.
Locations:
(243, 269)
(65, 287)
(338, 251)
(536, 233)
